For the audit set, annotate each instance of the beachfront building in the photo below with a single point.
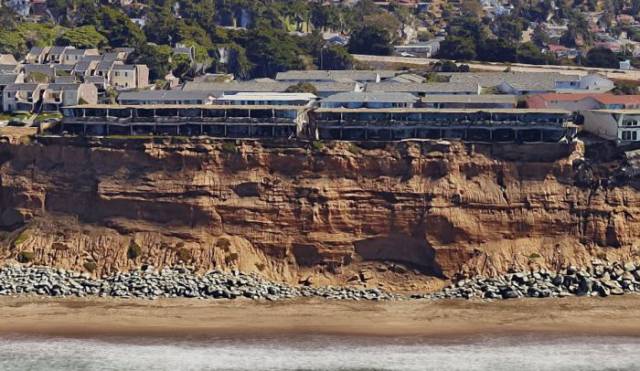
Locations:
(222, 121)
(619, 125)
(487, 125)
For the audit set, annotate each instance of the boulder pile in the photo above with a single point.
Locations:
(175, 282)
(601, 279)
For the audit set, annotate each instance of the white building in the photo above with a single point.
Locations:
(621, 126)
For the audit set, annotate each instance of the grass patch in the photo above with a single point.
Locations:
(26, 256)
(317, 145)
(353, 148)
(50, 115)
(22, 237)
(134, 250)
(535, 256)
(229, 147)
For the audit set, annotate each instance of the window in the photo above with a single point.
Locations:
(117, 74)
(628, 135)
(126, 74)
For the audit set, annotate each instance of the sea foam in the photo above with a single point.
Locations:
(321, 353)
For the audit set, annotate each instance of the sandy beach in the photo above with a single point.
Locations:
(182, 317)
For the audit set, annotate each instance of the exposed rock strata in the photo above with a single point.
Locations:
(392, 214)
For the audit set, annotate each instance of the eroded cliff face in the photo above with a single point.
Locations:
(403, 215)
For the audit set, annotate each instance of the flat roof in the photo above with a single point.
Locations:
(444, 110)
(463, 98)
(188, 106)
(623, 111)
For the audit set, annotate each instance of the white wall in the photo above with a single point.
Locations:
(601, 124)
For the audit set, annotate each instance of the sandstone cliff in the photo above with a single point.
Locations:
(403, 215)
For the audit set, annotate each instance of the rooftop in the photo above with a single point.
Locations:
(519, 79)
(457, 98)
(163, 95)
(446, 110)
(374, 96)
(425, 88)
(191, 106)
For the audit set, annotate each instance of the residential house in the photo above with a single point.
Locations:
(426, 49)
(85, 68)
(22, 97)
(9, 79)
(73, 56)
(56, 54)
(129, 76)
(21, 7)
(41, 73)
(57, 96)
(37, 55)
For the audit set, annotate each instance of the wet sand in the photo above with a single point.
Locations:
(79, 317)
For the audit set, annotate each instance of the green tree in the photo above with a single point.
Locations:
(540, 36)
(181, 66)
(601, 57)
(335, 57)
(458, 48)
(238, 63)
(508, 28)
(529, 53)
(370, 39)
(156, 57)
(272, 51)
(118, 28)
(83, 37)
(497, 50)
(11, 42)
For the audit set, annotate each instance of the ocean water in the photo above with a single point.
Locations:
(322, 353)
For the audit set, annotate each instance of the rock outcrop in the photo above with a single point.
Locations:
(401, 215)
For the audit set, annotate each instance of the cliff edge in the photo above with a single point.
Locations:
(403, 216)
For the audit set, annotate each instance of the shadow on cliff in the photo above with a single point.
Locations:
(413, 252)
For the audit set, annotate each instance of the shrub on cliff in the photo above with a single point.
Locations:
(134, 250)
(90, 266)
(229, 147)
(26, 256)
(184, 254)
(317, 145)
